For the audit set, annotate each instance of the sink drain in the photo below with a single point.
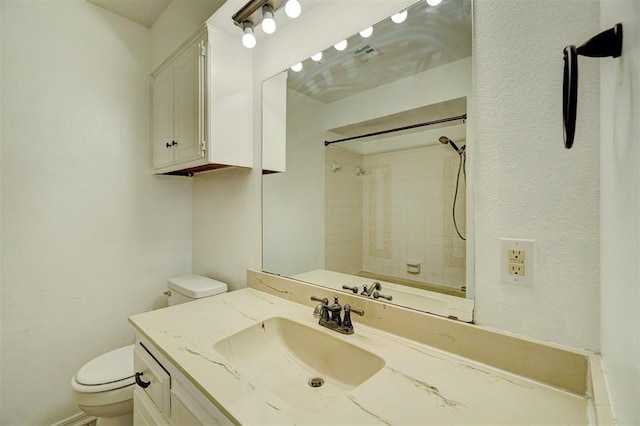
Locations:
(316, 382)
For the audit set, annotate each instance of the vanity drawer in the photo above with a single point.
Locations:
(153, 379)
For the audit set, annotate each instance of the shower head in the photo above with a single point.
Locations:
(445, 140)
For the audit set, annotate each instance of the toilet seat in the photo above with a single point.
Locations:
(110, 371)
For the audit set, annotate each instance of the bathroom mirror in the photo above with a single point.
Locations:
(377, 208)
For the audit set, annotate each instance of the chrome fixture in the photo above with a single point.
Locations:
(354, 289)
(330, 315)
(368, 290)
(257, 12)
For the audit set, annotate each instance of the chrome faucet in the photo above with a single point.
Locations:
(330, 315)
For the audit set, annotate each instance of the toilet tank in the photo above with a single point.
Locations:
(187, 288)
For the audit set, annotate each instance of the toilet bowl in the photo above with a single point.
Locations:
(103, 387)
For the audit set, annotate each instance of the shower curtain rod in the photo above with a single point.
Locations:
(398, 129)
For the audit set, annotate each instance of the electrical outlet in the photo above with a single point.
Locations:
(516, 260)
(516, 269)
(516, 256)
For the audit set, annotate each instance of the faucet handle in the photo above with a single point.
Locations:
(354, 289)
(377, 295)
(355, 311)
(324, 301)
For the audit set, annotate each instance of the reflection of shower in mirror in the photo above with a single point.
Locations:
(462, 166)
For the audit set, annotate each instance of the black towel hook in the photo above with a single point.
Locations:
(606, 44)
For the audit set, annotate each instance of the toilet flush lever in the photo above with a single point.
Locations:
(140, 382)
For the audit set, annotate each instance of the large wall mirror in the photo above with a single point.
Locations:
(370, 194)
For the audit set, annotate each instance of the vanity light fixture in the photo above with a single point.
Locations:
(399, 17)
(297, 67)
(257, 12)
(268, 23)
(341, 45)
(366, 33)
(248, 39)
(434, 2)
(317, 57)
(292, 8)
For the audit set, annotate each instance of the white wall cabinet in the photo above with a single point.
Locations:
(202, 106)
(274, 123)
(169, 398)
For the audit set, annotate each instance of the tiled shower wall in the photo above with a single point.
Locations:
(343, 204)
(404, 212)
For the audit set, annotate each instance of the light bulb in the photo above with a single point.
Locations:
(268, 23)
(341, 45)
(248, 39)
(434, 2)
(399, 17)
(297, 67)
(366, 32)
(317, 57)
(292, 9)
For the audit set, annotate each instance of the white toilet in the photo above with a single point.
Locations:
(103, 387)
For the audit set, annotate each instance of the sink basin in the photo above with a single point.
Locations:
(291, 359)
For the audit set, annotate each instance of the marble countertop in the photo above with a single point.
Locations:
(418, 384)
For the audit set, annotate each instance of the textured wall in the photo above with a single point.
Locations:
(89, 237)
(620, 210)
(526, 184)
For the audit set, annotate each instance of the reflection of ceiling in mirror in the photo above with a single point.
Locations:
(438, 111)
(430, 37)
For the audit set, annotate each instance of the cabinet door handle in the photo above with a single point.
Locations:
(174, 143)
(168, 145)
(141, 383)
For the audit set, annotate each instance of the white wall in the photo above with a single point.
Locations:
(620, 211)
(526, 184)
(294, 238)
(177, 22)
(89, 237)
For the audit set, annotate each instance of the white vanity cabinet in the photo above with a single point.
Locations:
(165, 396)
(202, 106)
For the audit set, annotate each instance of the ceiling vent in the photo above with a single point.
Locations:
(364, 53)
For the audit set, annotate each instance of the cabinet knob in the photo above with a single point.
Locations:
(168, 145)
(174, 143)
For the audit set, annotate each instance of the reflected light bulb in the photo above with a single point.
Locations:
(292, 8)
(366, 32)
(341, 45)
(297, 67)
(399, 17)
(248, 39)
(268, 23)
(434, 2)
(317, 57)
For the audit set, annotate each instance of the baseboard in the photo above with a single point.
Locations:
(80, 419)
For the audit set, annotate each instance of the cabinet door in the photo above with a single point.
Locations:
(188, 103)
(145, 413)
(190, 409)
(163, 119)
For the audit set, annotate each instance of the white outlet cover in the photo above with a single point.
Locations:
(528, 246)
